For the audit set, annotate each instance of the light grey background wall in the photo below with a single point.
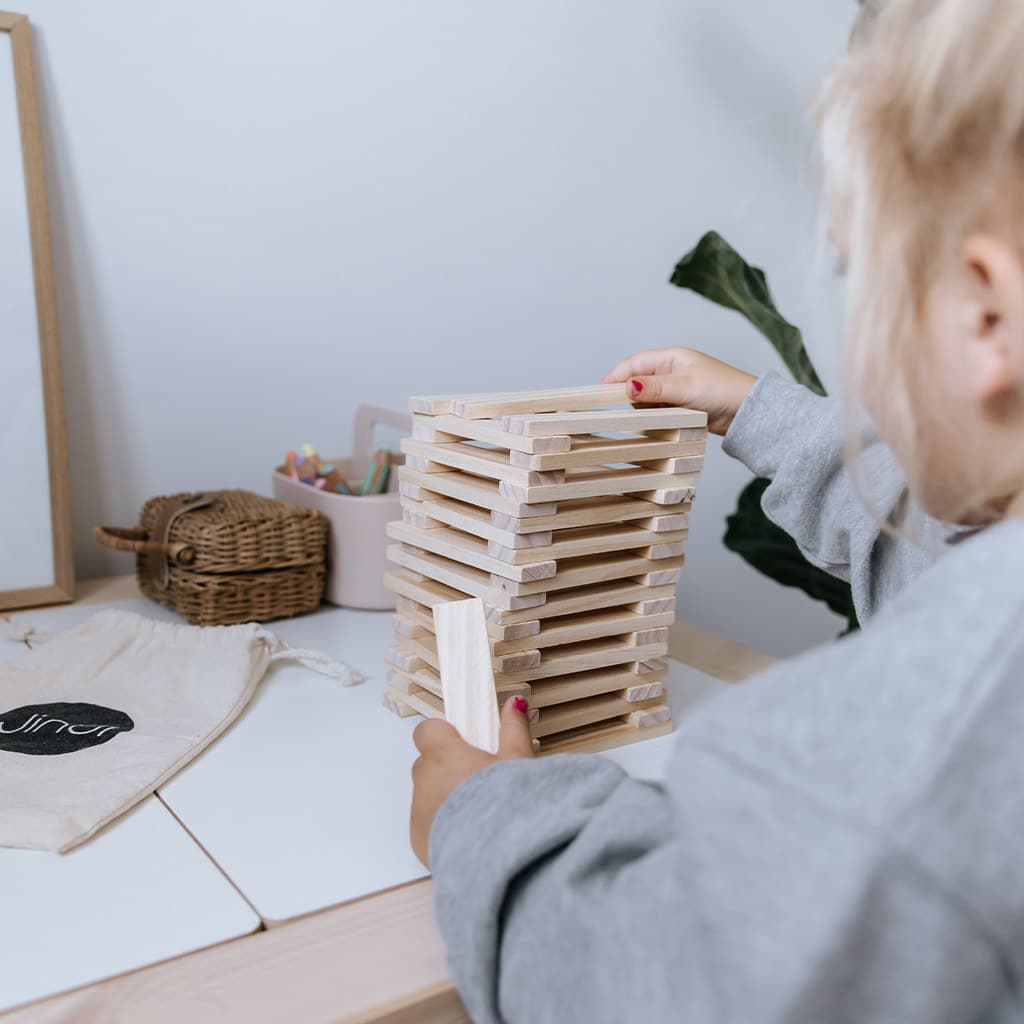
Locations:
(267, 213)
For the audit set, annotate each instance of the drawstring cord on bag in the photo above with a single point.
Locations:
(22, 633)
(318, 661)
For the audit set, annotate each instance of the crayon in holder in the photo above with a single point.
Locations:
(357, 539)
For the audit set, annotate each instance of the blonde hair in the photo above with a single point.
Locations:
(922, 131)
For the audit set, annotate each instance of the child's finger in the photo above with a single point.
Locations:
(648, 390)
(433, 733)
(654, 360)
(514, 738)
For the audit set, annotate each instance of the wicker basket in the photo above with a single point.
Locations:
(226, 557)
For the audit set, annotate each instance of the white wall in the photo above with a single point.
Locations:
(267, 213)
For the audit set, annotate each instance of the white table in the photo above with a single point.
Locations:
(303, 804)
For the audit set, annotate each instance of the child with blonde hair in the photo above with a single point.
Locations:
(837, 839)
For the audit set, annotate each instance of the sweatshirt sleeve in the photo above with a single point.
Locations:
(785, 432)
(568, 892)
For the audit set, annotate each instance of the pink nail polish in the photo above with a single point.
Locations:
(519, 703)
(636, 386)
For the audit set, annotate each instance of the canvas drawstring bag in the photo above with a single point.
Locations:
(96, 719)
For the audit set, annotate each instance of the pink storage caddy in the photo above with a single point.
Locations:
(357, 542)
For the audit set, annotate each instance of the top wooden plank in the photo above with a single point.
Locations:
(484, 406)
(547, 424)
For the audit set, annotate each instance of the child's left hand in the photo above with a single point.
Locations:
(446, 759)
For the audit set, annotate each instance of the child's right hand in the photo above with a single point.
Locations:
(685, 377)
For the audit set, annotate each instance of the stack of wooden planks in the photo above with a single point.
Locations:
(567, 518)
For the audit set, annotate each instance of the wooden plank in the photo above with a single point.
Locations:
(581, 512)
(467, 488)
(434, 405)
(593, 483)
(429, 678)
(468, 550)
(486, 462)
(594, 540)
(563, 717)
(464, 578)
(617, 679)
(538, 634)
(591, 396)
(415, 621)
(436, 428)
(465, 665)
(590, 598)
(576, 658)
(585, 626)
(580, 572)
(473, 520)
(592, 739)
(570, 659)
(416, 591)
(604, 451)
(633, 420)
(678, 465)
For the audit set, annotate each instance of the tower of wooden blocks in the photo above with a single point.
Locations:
(567, 518)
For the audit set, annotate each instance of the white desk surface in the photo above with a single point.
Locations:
(138, 893)
(304, 802)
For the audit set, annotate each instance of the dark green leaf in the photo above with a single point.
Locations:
(716, 270)
(770, 550)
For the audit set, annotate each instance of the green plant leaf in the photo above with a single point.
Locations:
(716, 270)
(771, 551)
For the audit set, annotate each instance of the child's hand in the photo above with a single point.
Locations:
(446, 759)
(682, 376)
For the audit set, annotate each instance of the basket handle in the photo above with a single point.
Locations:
(367, 417)
(136, 541)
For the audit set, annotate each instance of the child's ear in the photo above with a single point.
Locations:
(994, 314)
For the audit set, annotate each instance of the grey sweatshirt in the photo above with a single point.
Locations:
(837, 840)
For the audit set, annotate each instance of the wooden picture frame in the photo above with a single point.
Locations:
(60, 587)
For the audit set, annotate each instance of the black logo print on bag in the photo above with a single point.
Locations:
(60, 728)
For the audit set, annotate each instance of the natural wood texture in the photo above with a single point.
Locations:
(467, 488)
(595, 540)
(600, 511)
(410, 654)
(604, 451)
(592, 739)
(609, 594)
(465, 667)
(61, 588)
(468, 518)
(716, 655)
(661, 488)
(441, 429)
(564, 717)
(594, 396)
(414, 621)
(579, 572)
(416, 595)
(379, 960)
(470, 550)
(470, 582)
(632, 420)
(559, 499)
(486, 462)
(481, 406)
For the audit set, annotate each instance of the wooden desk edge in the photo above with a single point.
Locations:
(378, 960)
